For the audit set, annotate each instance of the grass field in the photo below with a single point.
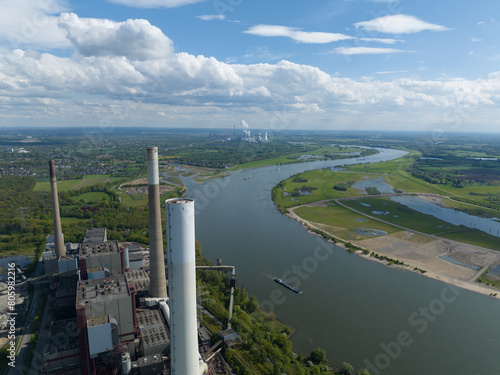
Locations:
(323, 180)
(401, 215)
(392, 172)
(133, 200)
(342, 222)
(66, 185)
(475, 237)
(92, 197)
(408, 218)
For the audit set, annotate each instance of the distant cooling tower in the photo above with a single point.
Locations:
(185, 358)
(157, 278)
(58, 238)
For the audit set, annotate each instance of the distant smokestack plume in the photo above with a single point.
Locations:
(182, 287)
(157, 278)
(58, 238)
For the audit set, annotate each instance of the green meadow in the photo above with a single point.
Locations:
(342, 222)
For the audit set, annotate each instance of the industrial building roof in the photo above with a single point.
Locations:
(63, 337)
(67, 284)
(153, 329)
(92, 248)
(95, 235)
(97, 290)
(92, 322)
(139, 278)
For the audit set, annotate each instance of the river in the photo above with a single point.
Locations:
(392, 321)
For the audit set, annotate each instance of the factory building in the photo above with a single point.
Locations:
(123, 320)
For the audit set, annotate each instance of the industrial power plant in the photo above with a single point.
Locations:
(111, 300)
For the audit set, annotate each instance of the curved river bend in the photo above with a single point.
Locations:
(391, 321)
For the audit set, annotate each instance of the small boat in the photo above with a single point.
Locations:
(246, 178)
(286, 285)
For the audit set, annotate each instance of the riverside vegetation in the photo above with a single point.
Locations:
(263, 345)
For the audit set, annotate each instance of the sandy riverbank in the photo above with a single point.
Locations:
(423, 252)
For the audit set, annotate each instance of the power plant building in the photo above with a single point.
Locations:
(124, 321)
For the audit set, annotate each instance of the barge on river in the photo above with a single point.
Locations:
(285, 284)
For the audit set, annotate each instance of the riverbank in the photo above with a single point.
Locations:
(421, 253)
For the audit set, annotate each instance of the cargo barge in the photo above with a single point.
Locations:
(285, 284)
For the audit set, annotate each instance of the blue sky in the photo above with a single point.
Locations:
(341, 64)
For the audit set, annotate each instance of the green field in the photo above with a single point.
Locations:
(323, 180)
(408, 218)
(401, 215)
(93, 197)
(66, 185)
(474, 237)
(342, 222)
(133, 200)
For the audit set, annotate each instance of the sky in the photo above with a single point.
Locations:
(334, 65)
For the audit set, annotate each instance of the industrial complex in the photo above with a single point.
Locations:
(112, 313)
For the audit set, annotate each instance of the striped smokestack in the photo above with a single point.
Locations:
(157, 279)
(58, 238)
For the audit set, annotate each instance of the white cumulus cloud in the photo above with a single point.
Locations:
(212, 17)
(366, 50)
(155, 3)
(129, 71)
(135, 39)
(379, 40)
(296, 34)
(398, 24)
(31, 24)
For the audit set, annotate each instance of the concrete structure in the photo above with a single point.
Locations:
(60, 250)
(67, 263)
(103, 335)
(185, 358)
(150, 365)
(229, 336)
(153, 334)
(95, 235)
(62, 351)
(96, 273)
(108, 296)
(101, 254)
(66, 295)
(126, 259)
(135, 257)
(158, 286)
(139, 279)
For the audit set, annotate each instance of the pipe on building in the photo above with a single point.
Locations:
(58, 238)
(126, 259)
(157, 278)
(165, 310)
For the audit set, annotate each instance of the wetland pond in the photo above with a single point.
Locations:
(449, 215)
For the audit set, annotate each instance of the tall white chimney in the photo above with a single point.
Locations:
(182, 287)
(58, 238)
(157, 278)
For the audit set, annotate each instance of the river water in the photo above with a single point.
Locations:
(450, 215)
(394, 322)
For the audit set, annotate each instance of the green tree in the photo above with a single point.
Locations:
(318, 355)
(346, 369)
(363, 372)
